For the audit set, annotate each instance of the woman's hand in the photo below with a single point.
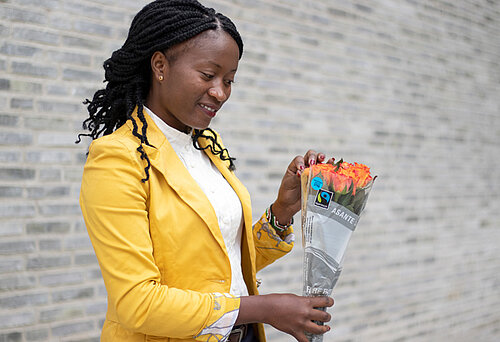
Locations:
(289, 313)
(288, 202)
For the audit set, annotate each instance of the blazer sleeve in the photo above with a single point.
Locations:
(269, 245)
(114, 204)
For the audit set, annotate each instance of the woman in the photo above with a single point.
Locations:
(169, 221)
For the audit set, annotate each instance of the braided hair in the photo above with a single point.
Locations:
(157, 27)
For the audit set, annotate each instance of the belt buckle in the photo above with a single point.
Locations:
(240, 332)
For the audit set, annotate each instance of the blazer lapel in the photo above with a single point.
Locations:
(164, 159)
(242, 193)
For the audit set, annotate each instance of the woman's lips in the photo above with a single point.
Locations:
(209, 110)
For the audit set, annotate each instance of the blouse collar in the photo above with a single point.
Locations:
(175, 137)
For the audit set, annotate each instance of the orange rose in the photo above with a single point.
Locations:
(342, 175)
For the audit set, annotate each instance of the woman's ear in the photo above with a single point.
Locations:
(159, 66)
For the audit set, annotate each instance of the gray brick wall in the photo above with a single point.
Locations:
(407, 87)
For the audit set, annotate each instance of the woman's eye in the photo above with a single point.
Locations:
(229, 82)
(208, 76)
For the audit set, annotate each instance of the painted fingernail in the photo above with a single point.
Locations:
(321, 156)
(312, 162)
(298, 173)
(301, 167)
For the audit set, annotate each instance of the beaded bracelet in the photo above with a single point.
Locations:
(274, 221)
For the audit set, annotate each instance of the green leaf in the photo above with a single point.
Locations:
(359, 201)
(337, 164)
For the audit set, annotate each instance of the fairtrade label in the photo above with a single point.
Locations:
(333, 210)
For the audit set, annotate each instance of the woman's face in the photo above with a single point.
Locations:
(196, 80)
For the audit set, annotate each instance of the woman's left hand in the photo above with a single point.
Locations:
(288, 202)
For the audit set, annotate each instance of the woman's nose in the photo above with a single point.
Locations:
(218, 93)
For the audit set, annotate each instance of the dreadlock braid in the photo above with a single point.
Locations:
(215, 147)
(157, 27)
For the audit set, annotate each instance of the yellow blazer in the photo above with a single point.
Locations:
(159, 246)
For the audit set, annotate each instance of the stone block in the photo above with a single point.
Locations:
(81, 75)
(55, 139)
(4, 30)
(29, 69)
(11, 337)
(83, 10)
(48, 192)
(93, 28)
(11, 264)
(92, 45)
(69, 58)
(9, 120)
(47, 227)
(49, 157)
(10, 192)
(85, 259)
(74, 174)
(18, 50)
(77, 242)
(61, 278)
(49, 245)
(17, 247)
(22, 15)
(72, 294)
(72, 328)
(19, 103)
(41, 334)
(9, 157)
(56, 89)
(16, 174)
(114, 16)
(60, 209)
(25, 87)
(96, 308)
(32, 299)
(4, 84)
(58, 107)
(17, 282)
(61, 314)
(17, 210)
(16, 319)
(11, 228)
(14, 138)
(38, 36)
(47, 262)
(50, 174)
(45, 122)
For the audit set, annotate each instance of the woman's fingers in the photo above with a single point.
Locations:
(295, 315)
(310, 158)
(321, 301)
(299, 163)
(316, 329)
(320, 316)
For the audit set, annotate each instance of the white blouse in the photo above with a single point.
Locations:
(221, 195)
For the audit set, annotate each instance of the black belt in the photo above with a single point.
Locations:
(241, 333)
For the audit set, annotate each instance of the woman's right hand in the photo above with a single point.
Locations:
(289, 313)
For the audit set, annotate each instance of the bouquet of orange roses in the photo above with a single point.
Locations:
(333, 197)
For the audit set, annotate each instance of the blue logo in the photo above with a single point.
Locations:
(316, 183)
